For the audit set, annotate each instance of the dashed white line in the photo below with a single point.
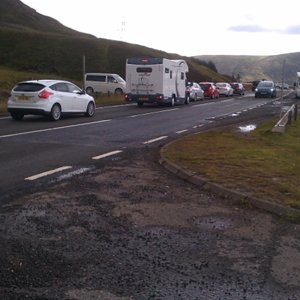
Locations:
(155, 140)
(181, 131)
(47, 173)
(107, 154)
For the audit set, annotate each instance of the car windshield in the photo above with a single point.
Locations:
(265, 84)
(28, 87)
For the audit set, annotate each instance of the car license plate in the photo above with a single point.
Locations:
(24, 98)
(143, 98)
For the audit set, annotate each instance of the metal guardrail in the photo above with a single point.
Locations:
(286, 119)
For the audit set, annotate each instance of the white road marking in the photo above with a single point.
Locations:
(154, 112)
(47, 173)
(107, 154)
(155, 140)
(181, 131)
(54, 128)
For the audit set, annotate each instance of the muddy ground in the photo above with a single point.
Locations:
(129, 229)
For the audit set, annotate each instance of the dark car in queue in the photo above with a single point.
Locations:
(265, 89)
(238, 88)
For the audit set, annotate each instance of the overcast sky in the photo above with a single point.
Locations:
(188, 28)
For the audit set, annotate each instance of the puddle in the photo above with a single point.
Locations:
(247, 128)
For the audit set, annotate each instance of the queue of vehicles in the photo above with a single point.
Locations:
(148, 80)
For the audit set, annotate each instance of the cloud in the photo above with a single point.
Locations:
(292, 30)
(256, 28)
(248, 28)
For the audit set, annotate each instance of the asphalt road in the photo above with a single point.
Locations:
(36, 145)
(121, 227)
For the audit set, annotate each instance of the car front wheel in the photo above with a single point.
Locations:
(90, 110)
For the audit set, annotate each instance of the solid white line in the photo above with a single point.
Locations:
(155, 140)
(51, 129)
(181, 131)
(107, 154)
(154, 112)
(34, 177)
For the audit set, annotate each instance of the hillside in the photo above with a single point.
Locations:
(257, 67)
(34, 43)
(16, 15)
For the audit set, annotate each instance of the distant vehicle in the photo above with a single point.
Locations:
(297, 85)
(194, 91)
(104, 83)
(156, 80)
(210, 90)
(52, 98)
(265, 89)
(238, 88)
(224, 88)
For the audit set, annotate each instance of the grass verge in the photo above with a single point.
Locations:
(260, 163)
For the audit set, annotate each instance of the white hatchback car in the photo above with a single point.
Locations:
(49, 97)
(224, 88)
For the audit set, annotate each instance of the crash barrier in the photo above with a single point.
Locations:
(288, 116)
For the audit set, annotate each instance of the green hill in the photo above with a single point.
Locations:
(250, 68)
(32, 43)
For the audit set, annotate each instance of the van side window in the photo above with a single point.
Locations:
(171, 74)
(99, 78)
(111, 79)
(167, 70)
(182, 76)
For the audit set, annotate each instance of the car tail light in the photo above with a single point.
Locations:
(45, 94)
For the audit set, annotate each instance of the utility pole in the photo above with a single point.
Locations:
(83, 72)
(282, 78)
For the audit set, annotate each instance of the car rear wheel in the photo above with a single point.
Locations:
(90, 110)
(55, 112)
(17, 115)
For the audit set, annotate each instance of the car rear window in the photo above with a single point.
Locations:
(28, 87)
(205, 86)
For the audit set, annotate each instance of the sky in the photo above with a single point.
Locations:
(194, 27)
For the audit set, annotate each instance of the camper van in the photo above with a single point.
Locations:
(104, 83)
(297, 86)
(156, 80)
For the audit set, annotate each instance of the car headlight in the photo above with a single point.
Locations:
(256, 90)
(272, 90)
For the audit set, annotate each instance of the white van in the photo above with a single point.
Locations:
(104, 83)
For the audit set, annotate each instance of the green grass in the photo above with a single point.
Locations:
(263, 164)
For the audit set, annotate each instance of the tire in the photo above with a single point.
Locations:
(118, 92)
(90, 110)
(172, 104)
(17, 115)
(55, 112)
(187, 99)
(89, 90)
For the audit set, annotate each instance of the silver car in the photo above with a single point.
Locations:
(52, 98)
(194, 91)
(224, 88)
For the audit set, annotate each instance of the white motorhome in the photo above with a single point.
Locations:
(297, 86)
(156, 80)
(104, 83)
